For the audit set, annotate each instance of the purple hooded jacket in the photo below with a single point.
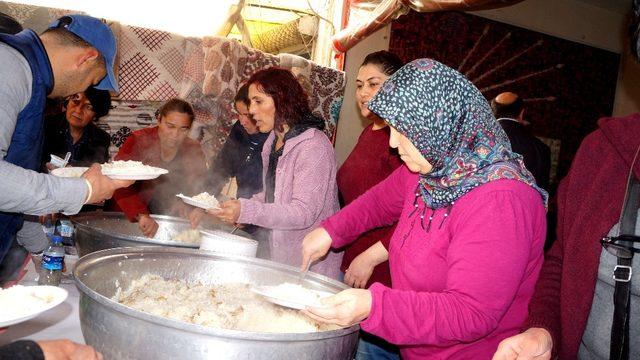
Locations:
(305, 194)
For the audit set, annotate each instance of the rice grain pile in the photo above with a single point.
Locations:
(228, 306)
(127, 166)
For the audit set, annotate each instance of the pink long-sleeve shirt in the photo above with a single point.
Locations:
(462, 286)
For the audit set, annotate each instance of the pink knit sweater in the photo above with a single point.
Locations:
(461, 286)
(305, 194)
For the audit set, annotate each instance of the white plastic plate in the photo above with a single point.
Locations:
(133, 173)
(193, 202)
(52, 295)
(270, 295)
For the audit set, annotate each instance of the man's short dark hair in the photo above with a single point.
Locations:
(65, 37)
(511, 110)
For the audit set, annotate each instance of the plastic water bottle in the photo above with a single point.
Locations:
(65, 228)
(52, 262)
(49, 227)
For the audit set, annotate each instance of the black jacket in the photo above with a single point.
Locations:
(93, 146)
(536, 154)
(21, 350)
(241, 156)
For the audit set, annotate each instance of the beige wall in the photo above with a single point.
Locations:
(568, 19)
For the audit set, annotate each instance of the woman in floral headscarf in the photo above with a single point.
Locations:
(467, 249)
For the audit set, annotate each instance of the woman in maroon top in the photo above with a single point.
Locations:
(371, 156)
(166, 146)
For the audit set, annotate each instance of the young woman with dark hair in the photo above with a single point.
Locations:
(240, 155)
(167, 146)
(299, 171)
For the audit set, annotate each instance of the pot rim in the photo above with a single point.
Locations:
(78, 222)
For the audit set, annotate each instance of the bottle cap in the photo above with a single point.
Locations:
(56, 238)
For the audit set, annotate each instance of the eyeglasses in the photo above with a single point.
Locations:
(620, 246)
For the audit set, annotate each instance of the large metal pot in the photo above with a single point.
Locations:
(120, 332)
(105, 230)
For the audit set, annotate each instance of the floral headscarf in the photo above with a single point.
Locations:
(446, 117)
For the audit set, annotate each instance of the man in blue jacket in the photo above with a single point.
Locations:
(75, 52)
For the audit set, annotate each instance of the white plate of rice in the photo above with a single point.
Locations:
(69, 172)
(292, 295)
(21, 303)
(131, 170)
(203, 200)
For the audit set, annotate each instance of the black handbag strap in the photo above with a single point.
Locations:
(622, 276)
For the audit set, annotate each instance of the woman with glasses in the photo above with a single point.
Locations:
(571, 312)
(74, 131)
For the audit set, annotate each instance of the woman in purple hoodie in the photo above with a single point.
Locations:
(468, 247)
(299, 171)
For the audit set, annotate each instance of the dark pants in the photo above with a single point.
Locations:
(12, 262)
(371, 347)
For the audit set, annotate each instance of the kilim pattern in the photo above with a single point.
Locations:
(227, 64)
(154, 66)
(152, 39)
(126, 48)
(33, 17)
(173, 62)
(162, 91)
(136, 75)
(193, 69)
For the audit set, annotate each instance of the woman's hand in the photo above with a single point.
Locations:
(534, 344)
(147, 225)
(359, 271)
(346, 308)
(195, 217)
(361, 268)
(314, 246)
(229, 211)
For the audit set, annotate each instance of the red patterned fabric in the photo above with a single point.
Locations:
(154, 66)
(227, 64)
(152, 63)
(136, 75)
